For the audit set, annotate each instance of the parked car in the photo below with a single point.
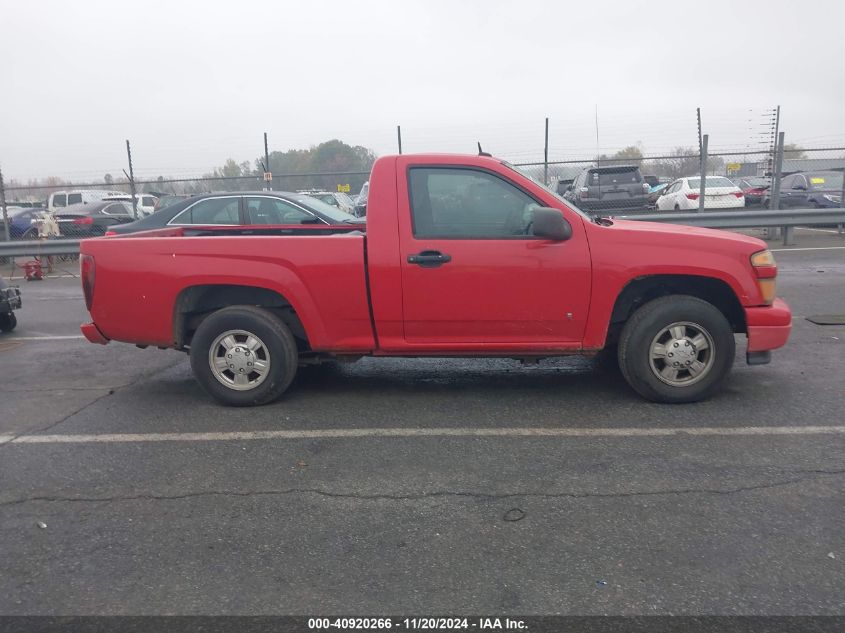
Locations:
(754, 188)
(683, 194)
(613, 188)
(439, 270)
(10, 300)
(361, 201)
(93, 219)
(335, 198)
(146, 203)
(241, 208)
(22, 222)
(563, 185)
(655, 191)
(61, 199)
(810, 189)
(170, 199)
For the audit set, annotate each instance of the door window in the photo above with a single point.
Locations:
(467, 204)
(60, 200)
(275, 211)
(211, 211)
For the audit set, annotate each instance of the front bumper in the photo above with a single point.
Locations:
(768, 327)
(10, 299)
(93, 334)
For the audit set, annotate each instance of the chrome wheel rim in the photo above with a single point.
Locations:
(239, 360)
(682, 354)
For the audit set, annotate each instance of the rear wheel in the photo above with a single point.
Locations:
(676, 349)
(244, 356)
(8, 322)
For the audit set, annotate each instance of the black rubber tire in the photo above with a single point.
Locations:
(8, 322)
(278, 339)
(644, 325)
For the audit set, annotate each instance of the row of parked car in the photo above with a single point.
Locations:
(621, 188)
(89, 213)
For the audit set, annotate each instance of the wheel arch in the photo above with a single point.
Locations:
(640, 290)
(194, 303)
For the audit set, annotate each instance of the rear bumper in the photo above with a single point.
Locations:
(768, 326)
(93, 334)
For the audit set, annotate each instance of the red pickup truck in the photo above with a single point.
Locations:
(460, 256)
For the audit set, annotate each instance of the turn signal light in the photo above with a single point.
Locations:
(764, 265)
(768, 288)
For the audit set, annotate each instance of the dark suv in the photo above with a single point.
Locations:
(616, 188)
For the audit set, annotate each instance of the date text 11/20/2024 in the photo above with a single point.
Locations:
(418, 624)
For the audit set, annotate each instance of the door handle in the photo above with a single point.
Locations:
(429, 259)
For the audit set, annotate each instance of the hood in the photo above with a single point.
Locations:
(658, 233)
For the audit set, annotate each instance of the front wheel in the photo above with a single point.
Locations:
(676, 349)
(244, 356)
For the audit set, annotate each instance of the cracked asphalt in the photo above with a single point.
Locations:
(436, 524)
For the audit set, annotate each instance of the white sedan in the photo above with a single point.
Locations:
(683, 194)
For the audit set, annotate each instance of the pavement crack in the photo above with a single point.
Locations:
(109, 391)
(424, 495)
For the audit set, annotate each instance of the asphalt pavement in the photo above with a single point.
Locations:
(422, 485)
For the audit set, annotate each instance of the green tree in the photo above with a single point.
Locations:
(791, 150)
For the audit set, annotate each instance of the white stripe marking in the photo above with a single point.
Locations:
(302, 434)
(45, 338)
(814, 248)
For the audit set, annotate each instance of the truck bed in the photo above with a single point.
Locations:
(139, 278)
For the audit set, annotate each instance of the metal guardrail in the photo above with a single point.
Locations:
(745, 219)
(36, 248)
(708, 219)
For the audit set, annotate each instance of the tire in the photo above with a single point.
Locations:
(8, 322)
(237, 381)
(646, 342)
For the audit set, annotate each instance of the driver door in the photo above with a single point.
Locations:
(473, 273)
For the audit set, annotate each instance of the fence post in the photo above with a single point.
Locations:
(3, 206)
(841, 227)
(774, 204)
(703, 175)
(131, 177)
(399, 137)
(268, 183)
(546, 156)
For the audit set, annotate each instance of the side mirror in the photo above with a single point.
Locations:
(551, 224)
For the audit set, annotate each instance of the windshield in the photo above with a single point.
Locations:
(567, 203)
(711, 182)
(322, 208)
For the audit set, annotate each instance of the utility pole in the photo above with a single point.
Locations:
(3, 206)
(399, 137)
(546, 156)
(131, 176)
(268, 175)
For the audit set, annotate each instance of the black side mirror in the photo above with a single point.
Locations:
(551, 224)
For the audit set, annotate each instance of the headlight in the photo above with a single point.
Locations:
(763, 258)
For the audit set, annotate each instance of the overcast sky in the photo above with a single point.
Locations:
(192, 83)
